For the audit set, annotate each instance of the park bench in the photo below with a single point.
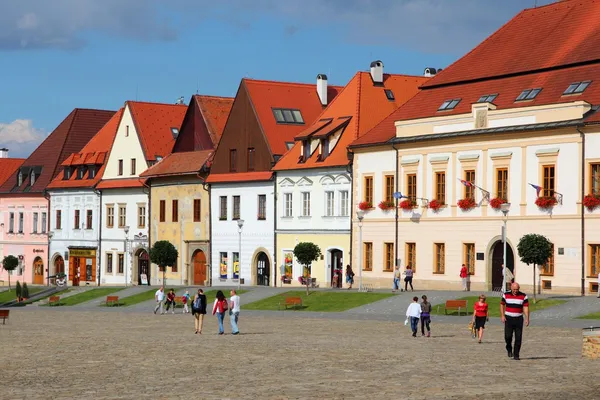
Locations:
(4, 315)
(54, 301)
(291, 302)
(367, 287)
(112, 301)
(460, 305)
(179, 302)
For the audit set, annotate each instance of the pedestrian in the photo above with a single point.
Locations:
(234, 312)
(171, 301)
(199, 310)
(512, 307)
(425, 316)
(413, 312)
(480, 316)
(349, 276)
(219, 308)
(397, 276)
(408, 278)
(159, 296)
(463, 276)
(185, 300)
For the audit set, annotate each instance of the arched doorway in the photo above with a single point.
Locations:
(143, 267)
(497, 260)
(263, 270)
(336, 267)
(199, 261)
(59, 265)
(38, 271)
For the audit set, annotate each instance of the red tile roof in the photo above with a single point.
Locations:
(8, 166)
(266, 95)
(69, 137)
(94, 153)
(184, 163)
(120, 183)
(240, 177)
(559, 34)
(359, 106)
(215, 111)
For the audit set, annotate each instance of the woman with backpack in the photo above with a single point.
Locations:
(349, 276)
(199, 310)
(219, 308)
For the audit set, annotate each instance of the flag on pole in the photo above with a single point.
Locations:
(399, 195)
(466, 183)
(537, 188)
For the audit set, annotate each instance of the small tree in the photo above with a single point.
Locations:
(10, 263)
(164, 254)
(25, 293)
(18, 291)
(534, 250)
(306, 253)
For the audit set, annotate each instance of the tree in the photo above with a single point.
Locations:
(306, 253)
(25, 293)
(10, 263)
(534, 249)
(18, 291)
(164, 254)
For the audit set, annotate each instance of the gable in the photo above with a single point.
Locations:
(193, 134)
(286, 182)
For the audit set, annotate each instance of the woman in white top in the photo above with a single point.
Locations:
(414, 314)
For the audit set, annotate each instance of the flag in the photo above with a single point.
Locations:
(399, 195)
(466, 183)
(537, 188)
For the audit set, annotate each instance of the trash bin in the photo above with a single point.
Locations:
(591, 342)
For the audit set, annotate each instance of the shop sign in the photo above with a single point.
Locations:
(82, 252)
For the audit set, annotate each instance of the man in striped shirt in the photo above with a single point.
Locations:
(512, 307)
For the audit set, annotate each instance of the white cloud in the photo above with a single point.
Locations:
(20, 137)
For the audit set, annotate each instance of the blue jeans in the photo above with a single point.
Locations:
(396, 284)
(414, 323)
(220, 317)
(233, 317)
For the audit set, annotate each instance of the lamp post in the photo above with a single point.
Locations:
(504, 207)
(360, 214)
(240, 223)
(126, 230)
(50, 234)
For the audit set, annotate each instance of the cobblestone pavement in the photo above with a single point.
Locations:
(72, 354)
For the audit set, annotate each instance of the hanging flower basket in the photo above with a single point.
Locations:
(434, 205)
(497, 203)
(365, 205)
(387, 205)
(408, 204)
(591, 202)
(466, 204)
(545, 202)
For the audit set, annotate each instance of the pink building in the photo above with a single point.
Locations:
(24, 203)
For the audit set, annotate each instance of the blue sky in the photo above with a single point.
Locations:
(61, 54)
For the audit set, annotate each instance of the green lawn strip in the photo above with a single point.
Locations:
(10, 295)
(149, 295)
(61, 293)
(494, 305)
(87, 296)
(319, 301)
(595, 315)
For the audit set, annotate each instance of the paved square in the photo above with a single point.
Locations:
(67, 354)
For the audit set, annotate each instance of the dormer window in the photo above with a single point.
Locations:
(20, 179)
(80, 172)
(528, 94)
(305, 150)
(449, 104)
(92, 173)
(32, 179)
(67, 174)
(324, 149)
(577, 87)
(487, 98)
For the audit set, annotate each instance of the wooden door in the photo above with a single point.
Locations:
(38, 271)
(199, 268)
(263, 268)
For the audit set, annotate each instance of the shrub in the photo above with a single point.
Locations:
(25, 291)
(18, 290)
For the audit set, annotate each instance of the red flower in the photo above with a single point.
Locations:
(434, 205)
(591, 201)
(496, 203)
(365, 205)
(545, 202)
(407, 204)
(466, 204)
(386, 205)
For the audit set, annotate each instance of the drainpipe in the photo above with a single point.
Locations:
(396, 200)
(99, 263)
(349, 168)
(47, 197)
(582, 135)
(149, 225)
(275, 230)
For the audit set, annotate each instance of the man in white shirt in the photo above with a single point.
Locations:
(413, 313)
(160, 297)
(234, 312)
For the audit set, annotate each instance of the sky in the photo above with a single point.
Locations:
(62, 54)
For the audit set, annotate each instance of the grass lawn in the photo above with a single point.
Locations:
(11, 295)
(494, 305)
(149, 295)
(590, 316)
(319, 301)
(87, 296)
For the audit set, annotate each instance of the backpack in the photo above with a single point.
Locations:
(198, 303)
(223, 305)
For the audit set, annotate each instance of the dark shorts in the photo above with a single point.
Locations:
(480, 322)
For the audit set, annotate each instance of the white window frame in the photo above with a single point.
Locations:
(344, 197)
(329, 203)
(288, 205)
(306, 204)
(35, 223)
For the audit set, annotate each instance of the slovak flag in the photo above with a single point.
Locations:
(466, 183)
(537, 188)
(398, 195)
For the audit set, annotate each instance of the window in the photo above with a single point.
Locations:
(323, 149)
(449, 104)
(35, 222)
(223, 265)
(223, 208)
(368, 195)
(141, 215)
(287, 212)
(232, 160)
(109, 263)
(502, 183)
(122, 215)
(76, 220)
(548, 268)
(262, 206)
(11, 223)
(197, 210)
(58, 219)
(411, 256)
(236, 207)
(595, 179)
(439, 264)
(411, 186)
(110, 215)
(174, 210)
(250, 161)
(21, 222)
(577, 87)
(469, 257)
(487, 98)
(548, 180)
(120, 263)
(594, 260)
(306, 204)
(162, 211)
(44, 222)
(528, 94)
(20, 178)
(389, 256)
(440, 187)
(389, 94)
(32, 179)
(80, 172)
(133, 166)
(344, 203)
(120, 168)
(126, 130)
(368, 257)
(92, 173)
(305, 150)
(329, 204)
(470, 190)
(88, 219)
(236, 264)
(66, 175)
(288, 116)
(389, 188)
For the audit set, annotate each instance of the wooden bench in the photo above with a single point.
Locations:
(4, 315)
(112, 301)
(179, 301)
(54, 301)
(291, 302)
(460, 305)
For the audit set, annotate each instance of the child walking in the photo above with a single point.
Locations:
(186, 299)
(425, 316)
(413, 312)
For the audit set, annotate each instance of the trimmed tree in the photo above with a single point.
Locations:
(10, 263)
(164, 254)
(534, 250)
(18, 291)
(306, 253)
(25, 293)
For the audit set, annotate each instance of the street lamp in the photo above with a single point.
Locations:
(240, 223)
(504, 207)
(126, 230)
(360, 214)
(50, 234)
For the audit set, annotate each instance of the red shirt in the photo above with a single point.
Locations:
(481, 309)
(463, 272)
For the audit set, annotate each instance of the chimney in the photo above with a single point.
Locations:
(4, 153)
(322, 88)
(377, 71)
(429, 72)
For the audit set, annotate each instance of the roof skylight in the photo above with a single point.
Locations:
(487, 98)
(389, 94)
(528, 94)
(449, 104)
(577, 87)
(288, 116)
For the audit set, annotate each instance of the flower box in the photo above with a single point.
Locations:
(591, 201)
(408, 204)
(545, 202)
(365, 205)
(434, 205)
(497, 203)
(466, 204)
(387, 205)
